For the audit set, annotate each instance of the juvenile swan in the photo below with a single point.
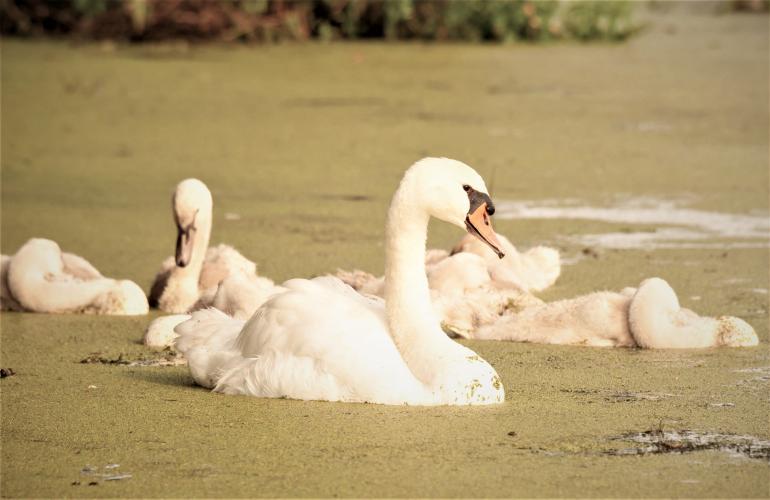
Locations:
(198, 276)
(41, 278)
(648, 317)
(476, 298)
(320, 340)
(190, 279)
(533, 270)
(473, 287)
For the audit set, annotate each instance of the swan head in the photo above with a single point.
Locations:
(192, 204)
(453, 192)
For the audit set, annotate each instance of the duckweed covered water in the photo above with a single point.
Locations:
(302, 146)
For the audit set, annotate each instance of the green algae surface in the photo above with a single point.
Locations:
(302, 146)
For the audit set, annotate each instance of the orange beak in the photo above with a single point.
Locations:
(480, 226)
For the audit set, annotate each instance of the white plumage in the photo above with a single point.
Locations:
(648, 317)
(199, 276)
(320, 340)
(41, 278)
(479, 296)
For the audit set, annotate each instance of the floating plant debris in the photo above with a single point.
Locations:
(621, 396)
(117, 477)
(686, 441)
(110, 474)
(167, 358)
(627, 396)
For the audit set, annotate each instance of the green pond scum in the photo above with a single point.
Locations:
(305, 143)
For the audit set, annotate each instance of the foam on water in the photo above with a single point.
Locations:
(676, 226)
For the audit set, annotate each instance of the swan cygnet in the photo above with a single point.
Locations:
(321, 340)
(468, 288)
(7, 302)
(41, 278)
(648, 317)
(477, 299)
(198, 276)
(533, 270)
(189, 279)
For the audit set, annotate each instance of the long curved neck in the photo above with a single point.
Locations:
(182, 287)
(39, 282)
(412, 321)
(192, 270)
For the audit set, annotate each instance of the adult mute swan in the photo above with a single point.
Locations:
(198, 276)
(321, 340)
(41, 278)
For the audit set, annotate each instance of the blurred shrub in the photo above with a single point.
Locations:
(600, 19)
(750, 5)
(270, 20)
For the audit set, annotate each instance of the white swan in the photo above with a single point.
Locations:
(648, 317)
(198, 276)
(41, 278)
(238, 296)
(478, 299)
(7, 302)
(473, 287)
(321, 340)
(533, 270)
(190, 279)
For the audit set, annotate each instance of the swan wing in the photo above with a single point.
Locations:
(222, 261)
(318, 340)
(240, 295)
(78, 267)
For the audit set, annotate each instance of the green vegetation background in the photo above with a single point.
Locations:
(271, 20)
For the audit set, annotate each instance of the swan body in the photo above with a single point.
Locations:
(171, 292)
(648, 317)
(467, 297)
(7, 302)
(658, 321)
(477, 297)
(533, 270)
(472, 287)
(41, 278)
(320, 340)
(239, 295)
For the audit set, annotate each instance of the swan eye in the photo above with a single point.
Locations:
(466, 187)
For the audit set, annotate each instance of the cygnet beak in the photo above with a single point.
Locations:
(184, 245)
